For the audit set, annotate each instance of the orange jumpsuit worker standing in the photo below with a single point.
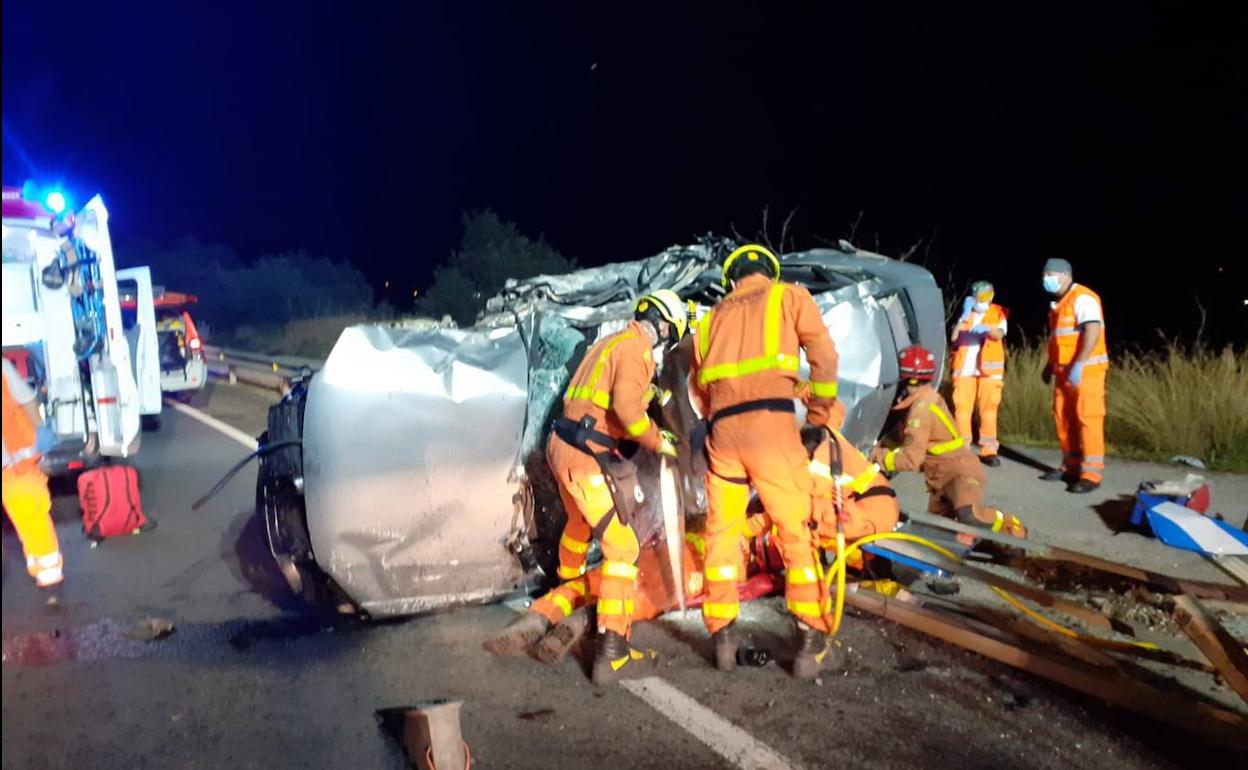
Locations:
(1079, 360)
(605, 403)
(25, 487)
(931, 444)
(978, 368)
(744, 373)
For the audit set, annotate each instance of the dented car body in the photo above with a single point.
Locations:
(416, 479)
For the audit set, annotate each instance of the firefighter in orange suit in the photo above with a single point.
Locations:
(26, 498)
(605, 403)
(1078, 361)
(978, 368)
(931, 445)
(868, 502)
(744, 376)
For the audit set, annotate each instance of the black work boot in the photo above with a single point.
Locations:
(992, 461)
(725, 640)
(815, 652)
(1083, 486)
(555, 645)
(519, 636)
(616, 660)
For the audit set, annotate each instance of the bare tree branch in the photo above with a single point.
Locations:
(784, 229)
(853, 228)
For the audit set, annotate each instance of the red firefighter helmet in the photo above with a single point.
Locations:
(917, 363)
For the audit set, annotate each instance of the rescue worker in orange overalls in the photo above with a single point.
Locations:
(605, 403)
(978, 368)
(931, 445)
(26, 498)
(869, 505)
(1079, 361)
(744, 373)
(868, 501)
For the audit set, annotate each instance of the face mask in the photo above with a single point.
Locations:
(981, 307)
(1052, 284)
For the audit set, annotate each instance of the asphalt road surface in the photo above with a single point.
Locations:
(250, 679)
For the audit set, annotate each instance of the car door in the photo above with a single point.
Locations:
(140, 331)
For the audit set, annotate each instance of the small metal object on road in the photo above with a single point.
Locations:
(432, 737)
(753, 656)
(149, 629)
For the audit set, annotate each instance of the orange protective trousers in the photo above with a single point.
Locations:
(982, 394)
(763, 449)
(1079, 413)
(650, 599)
(29, 507)
(587, 500)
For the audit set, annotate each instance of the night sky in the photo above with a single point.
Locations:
(1114, 137)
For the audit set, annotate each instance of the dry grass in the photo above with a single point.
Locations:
(1178, 400)
(307, 338)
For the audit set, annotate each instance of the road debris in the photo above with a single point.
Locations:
(150, 629)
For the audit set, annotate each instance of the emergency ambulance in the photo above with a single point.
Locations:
(95, 373)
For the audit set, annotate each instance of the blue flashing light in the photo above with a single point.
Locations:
(55, 201)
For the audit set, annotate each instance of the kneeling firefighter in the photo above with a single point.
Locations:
(931, 444)
(605, 405)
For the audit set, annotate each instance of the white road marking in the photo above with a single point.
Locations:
(726, 739)
(214, 423)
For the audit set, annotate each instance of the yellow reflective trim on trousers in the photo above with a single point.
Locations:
(587, 391)
(615, 607)
(722, 574)
(721, 610)
(578, 586)
(823, 389)
(771, 359)
(802, 577)
(639, 427)
(809, 609)
(570, 573)
(619, 569)
(1000, 520)
(573, 545)
(945, 446)
(562, 602)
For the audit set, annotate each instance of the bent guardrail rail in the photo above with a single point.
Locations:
(258, 369)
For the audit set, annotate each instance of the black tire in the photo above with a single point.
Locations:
(281, 505)
(150, 423)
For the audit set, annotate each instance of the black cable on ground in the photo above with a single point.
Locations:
(229, 476)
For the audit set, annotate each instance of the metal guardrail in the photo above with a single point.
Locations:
(258, 369)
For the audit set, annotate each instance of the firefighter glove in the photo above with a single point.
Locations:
(670, 440)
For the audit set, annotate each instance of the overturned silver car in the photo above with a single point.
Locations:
(413, 477)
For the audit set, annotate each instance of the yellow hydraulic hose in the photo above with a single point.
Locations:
(843, 553)
(840, 579)
(1063, 630)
